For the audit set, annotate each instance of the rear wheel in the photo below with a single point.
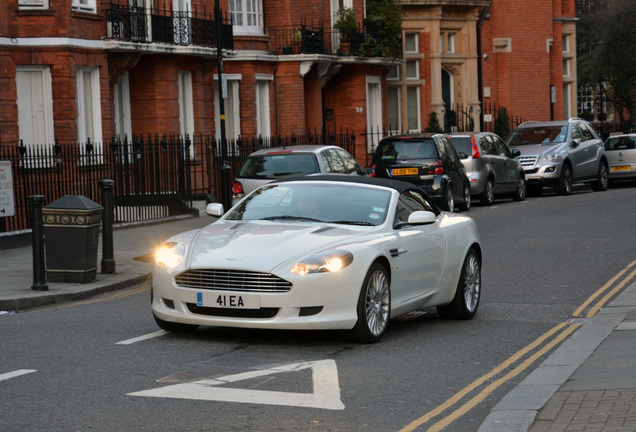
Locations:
(466, 300)
(564, 186)
(488, 195)
(520, 192)
(374, 306)
(602, 181)
(466, 203)
(449, 201)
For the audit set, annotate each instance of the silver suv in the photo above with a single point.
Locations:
(560, 153)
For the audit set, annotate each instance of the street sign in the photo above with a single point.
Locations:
(7, 206)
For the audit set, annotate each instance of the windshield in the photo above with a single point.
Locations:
(538, 135)
(407, 150)
(277, 165)
(342, 203)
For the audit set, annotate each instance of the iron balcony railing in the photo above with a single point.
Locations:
(131, 23)
(308, 38)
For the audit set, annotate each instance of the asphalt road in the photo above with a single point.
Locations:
(103, 364)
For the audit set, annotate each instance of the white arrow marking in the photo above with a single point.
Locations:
(326, 393)
(16, 373)
(141, 338)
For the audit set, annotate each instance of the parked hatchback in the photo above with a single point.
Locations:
(429, 161)
(264, 166)
(490, 166)
(560, 153)
(621, 156)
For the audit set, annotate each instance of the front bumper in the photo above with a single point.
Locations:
(547, 174)
(315, 301)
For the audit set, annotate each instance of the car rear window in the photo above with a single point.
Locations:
(278, 165)
(461, 144)
(407, 150)
(620, 143)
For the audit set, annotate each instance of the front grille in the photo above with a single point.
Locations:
(527, 161)
(232, 280)
(233, 313)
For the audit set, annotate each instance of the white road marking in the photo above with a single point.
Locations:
(16, 373)
(326, 393)
(142, 338)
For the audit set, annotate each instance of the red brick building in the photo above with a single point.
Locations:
(75, 70)
(464, 56)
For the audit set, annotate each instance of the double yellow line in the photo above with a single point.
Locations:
(526, 357)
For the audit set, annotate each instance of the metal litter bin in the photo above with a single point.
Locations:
(71, 236)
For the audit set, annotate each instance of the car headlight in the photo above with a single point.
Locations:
(550, 157)
(331, 261)
(170, 254)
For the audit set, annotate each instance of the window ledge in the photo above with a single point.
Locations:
(35, 12)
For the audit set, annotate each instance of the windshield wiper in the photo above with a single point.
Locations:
(349, 222)
(289, 217)
(280, 174)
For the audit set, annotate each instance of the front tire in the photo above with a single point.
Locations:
(374, 306)
(520, 192)
(564, 186)
(602, 180)
(466, 301)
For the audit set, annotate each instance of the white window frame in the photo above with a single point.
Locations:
(450, 43)
(123, 125)
(263, 121)
(232, 107)
(88, 6)
(396, 76)
(416, 62)
(84, 111)
(565, 41)
(241, 17)
(374, 110)
(186, 107)
(397, 126)
(415, 41)
(33, 4)
(566, 67)
(26, 120)
(418, 107)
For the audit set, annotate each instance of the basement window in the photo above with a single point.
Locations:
(33, 4)
(84, 6)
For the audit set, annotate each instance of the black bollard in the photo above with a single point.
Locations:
(37, 235)
(108, 259)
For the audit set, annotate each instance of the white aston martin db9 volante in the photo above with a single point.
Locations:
(327, 252)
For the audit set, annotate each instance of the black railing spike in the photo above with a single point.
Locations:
(239, 141)
(260, 141)
(293, 138)
(113, 143)
(22, 148)
(188, 143)
(57, 147)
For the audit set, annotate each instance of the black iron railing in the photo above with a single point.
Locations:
(161, 24)
(155, 176)
(307, 38)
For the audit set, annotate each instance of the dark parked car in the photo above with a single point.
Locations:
(429, 161)
(490, 166)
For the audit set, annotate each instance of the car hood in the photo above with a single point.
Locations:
(537, 149)
(263, 245)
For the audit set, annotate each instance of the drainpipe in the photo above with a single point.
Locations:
(480, 90)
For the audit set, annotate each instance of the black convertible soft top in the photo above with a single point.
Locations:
(398, 185)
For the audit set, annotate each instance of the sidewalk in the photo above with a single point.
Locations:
(587, 384)
(132, 246)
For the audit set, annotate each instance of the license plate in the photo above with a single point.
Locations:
(229, 301)
(622, 168)
(404, 171)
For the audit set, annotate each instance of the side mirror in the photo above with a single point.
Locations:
(576, 142)
(421, 217)
(369, 170)
(214, 209)
(463, 155)
(514, 153)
